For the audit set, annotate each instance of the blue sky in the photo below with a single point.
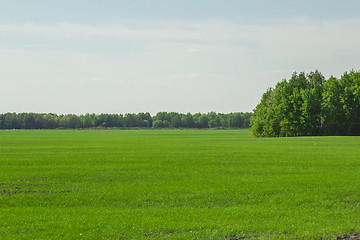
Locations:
(93, 11)
(147, 56)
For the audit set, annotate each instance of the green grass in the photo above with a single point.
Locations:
(177, 184)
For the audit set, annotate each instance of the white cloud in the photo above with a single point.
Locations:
(192, 50)
(229, 63)
(292, 38)
(201, 77)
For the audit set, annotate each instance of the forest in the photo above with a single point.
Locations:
(129, 120)
(309, 105)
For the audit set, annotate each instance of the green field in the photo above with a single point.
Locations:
(176, 184)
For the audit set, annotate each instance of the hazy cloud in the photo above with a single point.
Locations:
(153, 65)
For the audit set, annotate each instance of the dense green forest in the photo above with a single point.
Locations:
(129, 120)
(309, 105)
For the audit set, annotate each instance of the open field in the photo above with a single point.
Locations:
(177, 184)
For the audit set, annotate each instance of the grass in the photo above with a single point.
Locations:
(177, 184)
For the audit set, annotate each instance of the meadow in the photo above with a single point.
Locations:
(177, 184)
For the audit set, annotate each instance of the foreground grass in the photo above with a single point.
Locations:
(172, 184)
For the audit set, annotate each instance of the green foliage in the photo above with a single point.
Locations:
(130, 120)
(188, 184)
(308, 105)
(161, 124)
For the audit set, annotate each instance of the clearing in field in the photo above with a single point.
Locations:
(173, 184)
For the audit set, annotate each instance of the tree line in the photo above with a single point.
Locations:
(129, 120)
(309, 105)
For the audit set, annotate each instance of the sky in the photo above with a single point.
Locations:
(130, 56)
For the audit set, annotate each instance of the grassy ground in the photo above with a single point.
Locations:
(177, 184)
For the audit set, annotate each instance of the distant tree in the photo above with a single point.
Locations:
(223, 120)
(100, 120)
(235, 120)
(246, 119)
(130, 120)
(202, 121)
(161, 124)
(144, 120)
(163, 116)
(157, 124)
(188, 121)
(49, 121)
(146, 123)
(70, 121)
(214, 120)
(11, 121)
(175, 120)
